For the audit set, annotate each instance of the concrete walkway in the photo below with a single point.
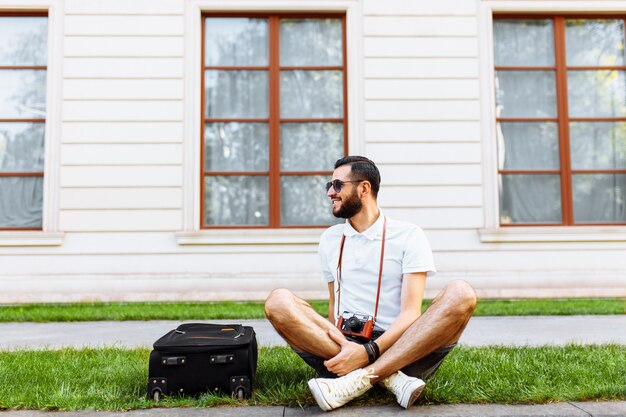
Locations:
(481, 331)
(586, 409)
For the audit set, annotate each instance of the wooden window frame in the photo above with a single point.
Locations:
(563, 119)
(274, 119)
(24, 67)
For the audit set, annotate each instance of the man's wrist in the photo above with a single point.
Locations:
(370, 353)
(372, 350)
(376, 349)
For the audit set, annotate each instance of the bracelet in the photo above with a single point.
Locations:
(375, 349)
(370, 353)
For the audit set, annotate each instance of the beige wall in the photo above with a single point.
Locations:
(122, 224)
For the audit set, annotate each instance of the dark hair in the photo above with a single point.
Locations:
(362, 168)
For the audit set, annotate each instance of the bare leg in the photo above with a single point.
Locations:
(301, 326)
(441, 324)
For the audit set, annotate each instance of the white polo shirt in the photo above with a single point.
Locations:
(406, 250)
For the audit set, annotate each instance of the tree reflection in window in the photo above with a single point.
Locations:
(23, 58)
(272, 127)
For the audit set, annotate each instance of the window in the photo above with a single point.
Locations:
(274, 117)
(561, 120)
(23, 67)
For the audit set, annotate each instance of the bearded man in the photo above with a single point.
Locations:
(376, 270)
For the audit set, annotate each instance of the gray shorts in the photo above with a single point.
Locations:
(423, 368)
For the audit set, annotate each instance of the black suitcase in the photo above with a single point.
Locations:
(197, 358)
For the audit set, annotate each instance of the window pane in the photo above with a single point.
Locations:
(530, 199)
(528, 146)
(596, 93)
(594, 42)
(236, 94)
(21, 147)
(236, 147)
(523, 42)
(598, 145)
(303, 201)
(311, 42)
(237, 41)
(525, 94)
(23, 40)
(21, 202)
(311, 94)
(599, 198)
(236, 200)
(22, 94)
(310, 146)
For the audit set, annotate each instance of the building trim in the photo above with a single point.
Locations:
(554, 234)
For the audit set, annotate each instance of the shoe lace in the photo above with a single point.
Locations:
(346, 386)
(396, 383)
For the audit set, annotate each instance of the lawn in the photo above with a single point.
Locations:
(115, 379)
(254, 310)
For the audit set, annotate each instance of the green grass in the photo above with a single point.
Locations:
(115, 379)
(254, 310)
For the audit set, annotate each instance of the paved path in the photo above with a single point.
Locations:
(481, 331)
(601, 409)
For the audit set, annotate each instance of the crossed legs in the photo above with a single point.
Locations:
(301, 326)
(440, 325)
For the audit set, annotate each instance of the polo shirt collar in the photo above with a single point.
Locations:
(373, 232)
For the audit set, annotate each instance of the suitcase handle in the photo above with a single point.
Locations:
(222, 359)
(173, 360)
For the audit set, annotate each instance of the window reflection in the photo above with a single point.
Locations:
(23, 41)
(236, 147)
(21, 147)
(596, 93)
(235, 41)
(236, 200)
(304, 202)
(311, 94)
(525, 94)
(599, 198)
(22, 94)
(523, 42)
(311, 42)
(236, 94)
(594, 42)
(598, 145)
(530, 199)
(254, 135)
(310, 146)
(528, 146)
(21, 202)
(596, 105)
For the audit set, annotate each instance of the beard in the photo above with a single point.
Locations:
(349, 207)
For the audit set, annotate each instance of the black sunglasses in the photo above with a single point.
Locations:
(337, 184)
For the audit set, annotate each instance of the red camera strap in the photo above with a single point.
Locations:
(380, 269)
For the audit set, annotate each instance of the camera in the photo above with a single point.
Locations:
(358, 326)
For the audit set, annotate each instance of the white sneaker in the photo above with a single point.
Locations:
(331, 393)
(406, 388)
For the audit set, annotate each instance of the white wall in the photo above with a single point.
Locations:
(122, 196)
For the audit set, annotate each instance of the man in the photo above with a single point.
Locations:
(407, 347)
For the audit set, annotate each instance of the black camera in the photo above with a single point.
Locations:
(359, 326)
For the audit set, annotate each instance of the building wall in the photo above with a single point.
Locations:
(123, 228)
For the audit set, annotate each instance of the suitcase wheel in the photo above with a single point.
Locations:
(155, 395)
(240, 387)
(157, 387)
(240, 394)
